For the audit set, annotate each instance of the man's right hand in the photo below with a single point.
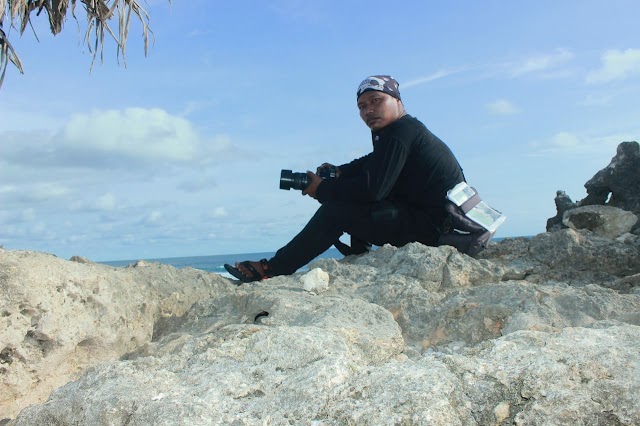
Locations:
(310, 190)
(326, 166)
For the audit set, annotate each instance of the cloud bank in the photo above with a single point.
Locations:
(616, 65)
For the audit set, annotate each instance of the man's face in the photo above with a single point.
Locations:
(378, 109)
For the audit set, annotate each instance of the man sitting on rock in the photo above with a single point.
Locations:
(394, 195)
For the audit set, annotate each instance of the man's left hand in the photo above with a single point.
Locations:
(310, 190)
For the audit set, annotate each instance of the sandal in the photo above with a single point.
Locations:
(255, 274)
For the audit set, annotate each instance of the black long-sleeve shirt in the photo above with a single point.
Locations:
(408, 163)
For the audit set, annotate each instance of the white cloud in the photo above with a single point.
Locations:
(77, 238)
(432, 77)
(196, 106)
(565, 140)
(149, 134)
(8, 189)
(543, 63)
(154, 217)
(14, 217)
(616, 65)
(502, 107)
(551, 65)
(34, 193)
(28, 215)
(219, 212)
(41, 230)
(106, 202)
(573, 145)
(198, 32)
(135, 140)
(299, 10)
(598, 100)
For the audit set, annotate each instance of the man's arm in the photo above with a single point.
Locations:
(375, 179)
(354, 167)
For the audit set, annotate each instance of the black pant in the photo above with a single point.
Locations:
(382, 223)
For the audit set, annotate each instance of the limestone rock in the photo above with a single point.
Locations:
(580, 251)
(59, 317)
(535, 331)
(564, 378)
(540, 330)
(605, 221)
(563, 203)
(80, 259)
(617, 185)
(315, 280)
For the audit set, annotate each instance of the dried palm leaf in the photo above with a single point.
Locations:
(7, 54)
(99, 13)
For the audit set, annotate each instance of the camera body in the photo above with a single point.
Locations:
(293, 180)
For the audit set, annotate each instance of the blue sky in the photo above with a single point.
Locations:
(179, 153)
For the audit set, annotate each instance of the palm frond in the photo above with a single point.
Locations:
(7, 54)
(18, 14)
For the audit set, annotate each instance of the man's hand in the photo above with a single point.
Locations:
(327, 165)
(310, 190)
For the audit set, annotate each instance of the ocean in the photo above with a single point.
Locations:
(215, 263)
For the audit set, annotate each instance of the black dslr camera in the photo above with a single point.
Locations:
(299, 181)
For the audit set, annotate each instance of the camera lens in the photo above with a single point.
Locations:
(291, 180)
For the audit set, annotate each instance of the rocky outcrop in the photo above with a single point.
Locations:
(563, 203)
(617, 185)
(605, 221)
(535, 331)
(540, 330)
(59, 317)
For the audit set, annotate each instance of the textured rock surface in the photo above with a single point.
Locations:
(563, 203)
(617, 185)
(605, 221)
(57, 317)
(535, 331)
(315, 280)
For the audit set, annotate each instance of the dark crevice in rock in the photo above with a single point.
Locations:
(6, 355)
(258, 318)
(38, 340)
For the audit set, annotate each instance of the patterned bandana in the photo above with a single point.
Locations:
(381, 83)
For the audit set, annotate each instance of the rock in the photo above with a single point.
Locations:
(80, 259)
(59, 317)
(566, 377)
(605, 221)
(563, 203)
(315, 280)
(628, 238)
(630, 284)
(578, 252)
(537, 331)
(540, 330)
(568, 256)
(617, 185)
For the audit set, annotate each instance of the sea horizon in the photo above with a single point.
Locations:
(215, 263)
